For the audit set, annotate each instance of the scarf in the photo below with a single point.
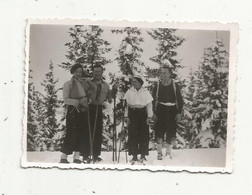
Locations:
(77, 91)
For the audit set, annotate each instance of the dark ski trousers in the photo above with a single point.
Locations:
(138, 131)
(96, 134)
(76, 125)
(166, 122)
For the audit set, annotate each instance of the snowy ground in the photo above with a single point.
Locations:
(185, 158)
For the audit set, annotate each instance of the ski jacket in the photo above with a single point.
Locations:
(98, 92)
(73, 91)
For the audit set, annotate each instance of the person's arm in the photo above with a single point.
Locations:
(109, 94)
(126, 111)
(125, 99)
(154, 94)
(149, 110)
(154, 102)
(84, 101)
(179, 99)
(66, 98)
(150, 114)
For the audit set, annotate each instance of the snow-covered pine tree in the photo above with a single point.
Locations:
(129, 53)
(87, 47)
(51, 104)
(35, 119)
(39, 116)
(31, 123)
(211, 100)
(128, 57)
(189, 127)
(60, 134)
(167, 42)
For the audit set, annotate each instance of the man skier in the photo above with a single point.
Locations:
(98, 92)
(168, 104)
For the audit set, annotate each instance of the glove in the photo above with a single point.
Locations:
(76, 103)
(83, 102)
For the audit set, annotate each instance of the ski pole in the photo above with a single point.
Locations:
(95, 122)
(114, 147)
(118, 159)
(126, 156)
(114, 131)
(120, 141)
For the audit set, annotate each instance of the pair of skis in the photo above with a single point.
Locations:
(91, 136)
(117, 158)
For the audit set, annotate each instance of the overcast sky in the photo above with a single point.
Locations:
(47, 43)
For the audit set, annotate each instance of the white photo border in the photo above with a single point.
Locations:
(232, 27)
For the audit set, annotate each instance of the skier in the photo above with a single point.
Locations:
(138, 115)
(98, 92)
(168, 104)
(75, 98)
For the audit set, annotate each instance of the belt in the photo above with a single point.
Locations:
(137, 108)
(167, 103)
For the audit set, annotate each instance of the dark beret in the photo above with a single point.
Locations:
(74, 67)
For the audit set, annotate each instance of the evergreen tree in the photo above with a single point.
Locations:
(35, 119)
(129, 53)
(212, 93)
(39, 114)
(167, 42)
(128, 57)
(60, 134)
(31, 123)
(51, 104)
(188, 128)
(87, 47)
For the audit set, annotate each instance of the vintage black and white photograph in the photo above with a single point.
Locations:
(156, 96)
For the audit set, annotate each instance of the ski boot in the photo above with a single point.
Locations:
(77, 161)
(86, 160)
(142, 160)
(97, 159)
(133, 160)
(63, 160)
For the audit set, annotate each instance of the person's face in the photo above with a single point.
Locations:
(78, 72)
(97, 73)
(165, 74)
(135, 84)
